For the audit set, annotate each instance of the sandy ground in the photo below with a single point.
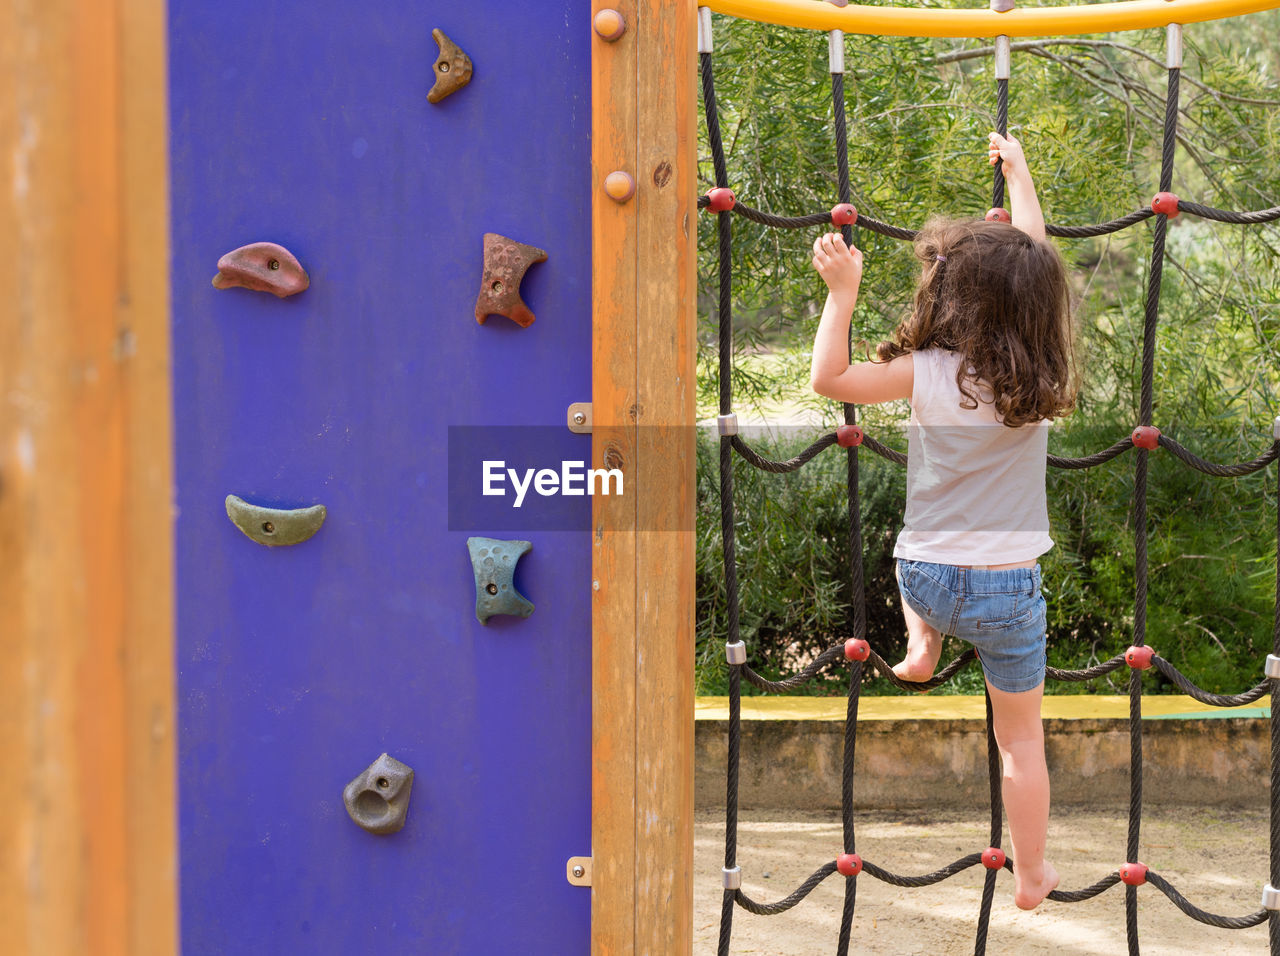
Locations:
(1218, 860)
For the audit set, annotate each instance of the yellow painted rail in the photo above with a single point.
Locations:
(929, 707)
(1019, 22)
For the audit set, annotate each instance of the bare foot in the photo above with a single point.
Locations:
(1029, 893)
(921, 660)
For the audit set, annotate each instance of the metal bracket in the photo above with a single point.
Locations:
(579, 416)
(1173, 46)
(1273, 667)
(704, 30)
(1004, 56)
(578, 870)
(732, 876)
(736, 652)
(1270, 898)
(835, 51)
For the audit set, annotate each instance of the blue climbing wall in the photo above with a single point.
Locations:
(307, 124)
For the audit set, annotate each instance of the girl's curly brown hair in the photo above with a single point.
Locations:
(998, 297)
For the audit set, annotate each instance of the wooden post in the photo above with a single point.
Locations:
(87, 834)
(643, 123)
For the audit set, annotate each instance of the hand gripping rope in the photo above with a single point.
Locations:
(857, 653)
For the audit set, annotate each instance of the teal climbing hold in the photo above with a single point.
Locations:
(494, 562)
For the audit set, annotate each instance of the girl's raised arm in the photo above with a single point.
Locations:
(830, 373)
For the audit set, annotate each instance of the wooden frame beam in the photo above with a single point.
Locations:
(88, 834)
(643, 290)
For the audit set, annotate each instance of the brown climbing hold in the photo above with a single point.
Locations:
(262, 267)
(452, 69)
(505, 263)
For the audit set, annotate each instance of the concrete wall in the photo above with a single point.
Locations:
(795, 764)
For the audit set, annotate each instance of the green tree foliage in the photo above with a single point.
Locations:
(1089, 111)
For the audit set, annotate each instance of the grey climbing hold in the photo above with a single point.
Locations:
(494, 562)
(275, 526)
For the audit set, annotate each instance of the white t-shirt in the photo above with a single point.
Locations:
(975, 488)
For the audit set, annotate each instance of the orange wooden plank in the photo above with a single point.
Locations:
(613, 392)
(87, 842)
(642, 395)
(666, 323)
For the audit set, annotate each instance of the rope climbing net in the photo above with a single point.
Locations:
(857, 653)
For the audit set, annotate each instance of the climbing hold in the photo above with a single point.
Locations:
(1165, 204)
(993, 858)
(998, 214)
(844, 214)
(1139, 658)
(505, 263)
(262, 267)
(494, 563)
(1133, 874)
(452, 69)
(609, 25)
(850, 864)
(619, 186)
(856, 649)
(721, 199)
(378, 799)
(1146, 436)
(848, 436)
(275, 526)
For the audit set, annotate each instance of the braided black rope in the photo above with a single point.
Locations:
(830, 656)
(1226, 215)
(725, 320)
(798, 680)
(1216, 700)
(1059, 230)
(1221, 471)
(928, 879)
(1087, 673)
(1090, 461)
(994, 779)
(803, 890)
(782, 467)
(1088, 893)
(1237, 470)
(1196, 913)
(1273, 923)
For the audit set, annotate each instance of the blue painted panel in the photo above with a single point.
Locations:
(307, 124)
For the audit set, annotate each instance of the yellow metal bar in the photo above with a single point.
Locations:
(1019, 22)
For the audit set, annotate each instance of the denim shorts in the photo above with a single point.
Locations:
(1001, 613)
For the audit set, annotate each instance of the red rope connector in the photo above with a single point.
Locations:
(850, 864)
(1166, 203)
(1133, 874)
(847, 436)
(721, 199)
(856, 649)
(844, 214)
(1146, 436)
(993, 858)
(998, 214)
(1139, 658)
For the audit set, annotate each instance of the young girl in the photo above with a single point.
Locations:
(985, 359)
